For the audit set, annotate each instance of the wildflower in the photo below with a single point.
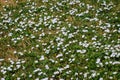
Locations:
(56, 72)
(2, 78)
(46, 66)
(98, 60)
(42, 57)
(100, 78)
(30, 75)
(1, 59)
(81, 51)
(10, 34)
(59, 55)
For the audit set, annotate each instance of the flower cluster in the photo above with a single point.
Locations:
(60, 39)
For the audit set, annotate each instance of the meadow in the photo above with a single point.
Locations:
(59, 39)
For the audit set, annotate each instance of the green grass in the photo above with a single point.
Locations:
(51, 35)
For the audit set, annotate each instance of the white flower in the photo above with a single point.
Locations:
(94, 38)
(3, 71)
(1, 59)
(15, 52)
(30, 75)
(36, 70)
(54, 20)
(37, 46)
(85, 75)
(46, 66)
(100, 78)
(9, 69)
(70, 35)
(22, 61)
(111, 77)
(56, 72)
(52, 60)
(83, 36)
(36, 61)
(116, 62)
(66, 67)
(44, 0)
(59, 55)
(18, 62)
(61, 59)
(60, 69)
(47, 51)
(107, 30)
(12, 62)
(18, 66)
(2, 78)
(32, 36)
(18, 78)
(71, 12)
(78, 50)
(39, 73)
(81, 51)
(20, 53)
(10, 34)
(45, 79)
(86, 67)
(60, 43)
(81, 14)
(114, 72)
(84, 30)
(37, 79)
(93, 74)
(98, 60)
(18, 29)
(42, 57)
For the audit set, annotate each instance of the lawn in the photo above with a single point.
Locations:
(59, 40)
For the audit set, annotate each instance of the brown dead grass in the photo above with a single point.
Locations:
(10, 55)
(7, 53)
(10, 2)
(6, 2)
